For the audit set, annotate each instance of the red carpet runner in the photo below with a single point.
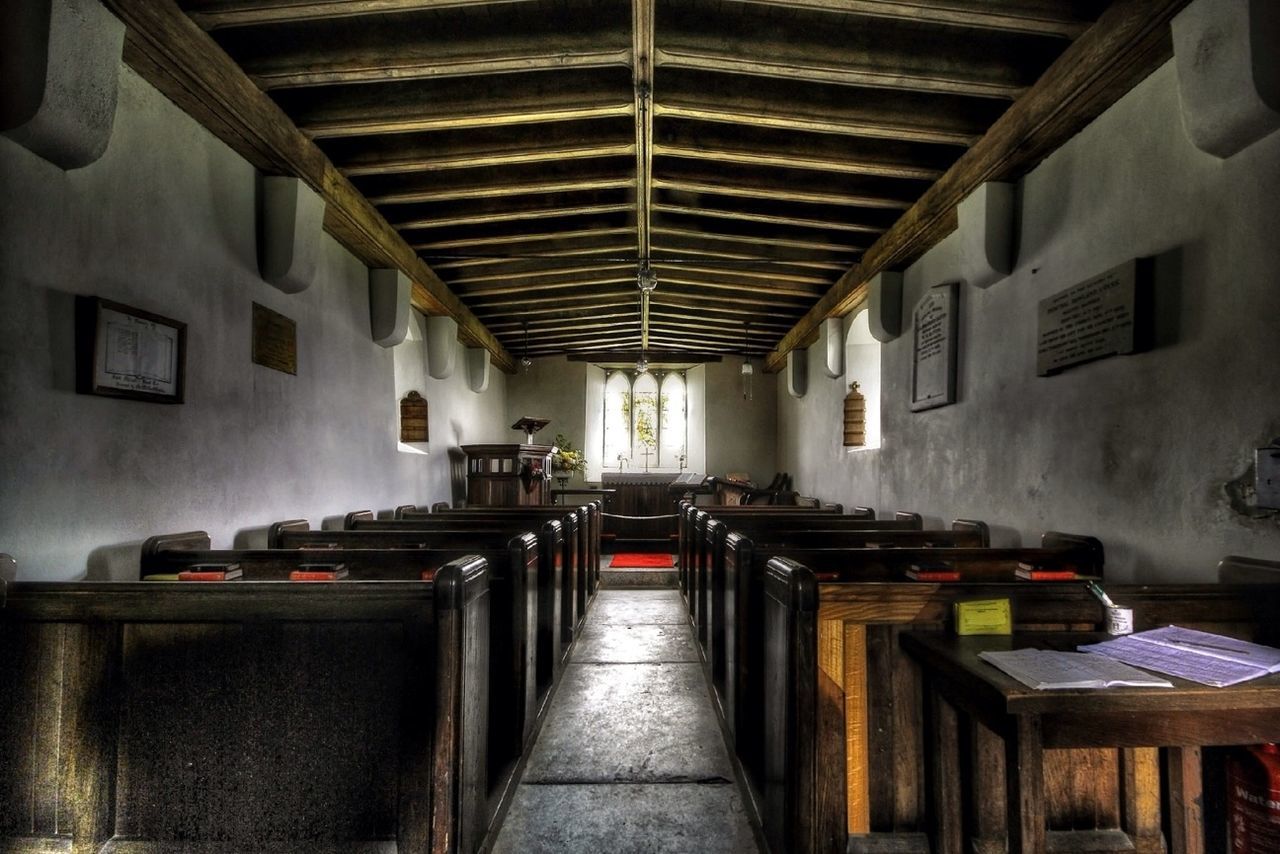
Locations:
(635, 560)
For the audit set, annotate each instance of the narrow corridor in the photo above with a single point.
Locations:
(631, 757)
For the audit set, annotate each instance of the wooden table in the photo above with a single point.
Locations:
(1028, 721)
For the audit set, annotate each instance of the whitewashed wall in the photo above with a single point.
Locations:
(165, 221)
(1137, 450)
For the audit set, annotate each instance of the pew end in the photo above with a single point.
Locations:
(1234, 569)
(979, 527)
(276, 531)
(187, 541)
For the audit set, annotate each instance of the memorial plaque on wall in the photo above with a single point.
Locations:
(933, 370)
(275, 340)
(1104, 316)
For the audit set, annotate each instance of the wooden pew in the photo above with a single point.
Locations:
(555, 567)
(1098, 799)
(560, 570)
(726, 598)
(591, 531)
(745, 566)
(694, 552)
(515, 696)
(702, 550)
(247, 716)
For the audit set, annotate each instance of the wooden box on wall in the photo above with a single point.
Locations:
(508, 475)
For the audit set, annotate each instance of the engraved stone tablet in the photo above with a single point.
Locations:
(1101, 317)
(275, 340)
(933, 373)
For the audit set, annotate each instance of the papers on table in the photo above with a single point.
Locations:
(1043, 669)
(1194, 655)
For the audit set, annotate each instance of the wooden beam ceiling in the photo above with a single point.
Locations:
(521, 159)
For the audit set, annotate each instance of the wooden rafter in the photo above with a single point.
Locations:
(642, 59)
(1020, 16)
(212, 14)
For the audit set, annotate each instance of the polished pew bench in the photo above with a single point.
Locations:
(514, 698)
(245, 717)
(842, 694)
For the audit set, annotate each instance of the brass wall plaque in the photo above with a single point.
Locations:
(275, 340)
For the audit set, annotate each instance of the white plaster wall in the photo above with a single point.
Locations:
(554, 388)
(165, 222)
(742, 435)
(1133, 449)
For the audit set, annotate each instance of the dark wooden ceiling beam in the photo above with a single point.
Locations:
(529, 280)
(766, 280)
(1129, 40)
(213, 14)
(565, 308)
(1039, 17)
(789, 106)
(503, 211)
(550, 258)
(324, 64)
(759, 243)
(796, 158)
(413, 192)
(809, 46)
(730, 260)
(774, 219)
(173, 54)
(655, 358)
(469, 102)
(761, 188)
(513, 241)
(443, 151)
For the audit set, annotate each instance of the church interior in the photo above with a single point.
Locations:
(638, 425)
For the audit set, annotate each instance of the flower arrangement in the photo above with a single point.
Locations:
(567, 458)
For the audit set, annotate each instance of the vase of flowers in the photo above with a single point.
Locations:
(566, 460)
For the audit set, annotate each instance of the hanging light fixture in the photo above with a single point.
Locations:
(525, 361)
(747, 370)
(646, 279)
(642, 364)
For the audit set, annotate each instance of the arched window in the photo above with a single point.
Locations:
(673, 403)
(617, 421)
(645, 422)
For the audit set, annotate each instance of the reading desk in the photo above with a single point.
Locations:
(1028, 721)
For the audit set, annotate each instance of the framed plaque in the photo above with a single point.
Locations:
(275, 340)
(933, 367)
(123, 351)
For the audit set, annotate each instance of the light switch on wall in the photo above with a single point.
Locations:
(1268, 483)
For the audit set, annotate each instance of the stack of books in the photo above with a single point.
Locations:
(1035, 572)
(200, 572)
(932, 571)
(319, 572)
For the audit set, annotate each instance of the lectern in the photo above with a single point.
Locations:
(510, 475)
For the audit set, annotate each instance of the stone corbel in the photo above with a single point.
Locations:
(60, 62)
(291, 232)
(442, 346)
(389, 292)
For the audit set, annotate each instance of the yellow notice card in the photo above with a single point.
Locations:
(984, 617)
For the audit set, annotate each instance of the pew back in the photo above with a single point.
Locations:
(246, 716)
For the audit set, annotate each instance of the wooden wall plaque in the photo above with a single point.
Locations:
(1104, 316)
(275, 340)
(933, 370)
(413, 418)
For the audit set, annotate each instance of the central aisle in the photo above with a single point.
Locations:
(631, 757)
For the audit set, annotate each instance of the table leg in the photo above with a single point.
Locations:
(1024, 782)
(946, 775)
(1186, 796)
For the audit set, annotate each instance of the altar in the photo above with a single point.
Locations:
(642, 514)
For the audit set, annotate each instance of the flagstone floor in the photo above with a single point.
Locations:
(632, 757)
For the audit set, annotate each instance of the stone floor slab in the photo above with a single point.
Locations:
(627, 644)
(626, 819)
(635, 607)
(635, 723)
